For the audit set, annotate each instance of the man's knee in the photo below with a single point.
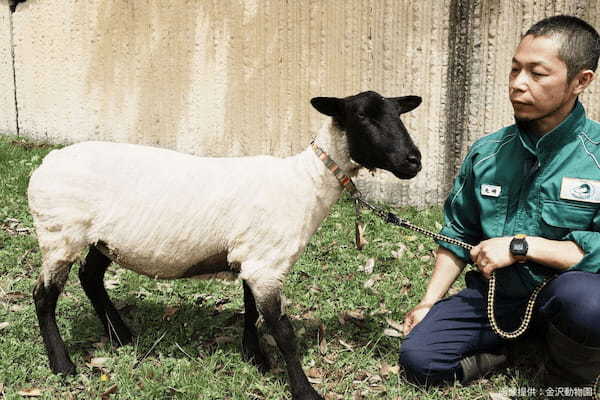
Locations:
(574, 304)
(427, 367)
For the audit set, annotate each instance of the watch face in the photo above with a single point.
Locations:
(518, 247)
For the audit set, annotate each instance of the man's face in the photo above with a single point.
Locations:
(538, 87)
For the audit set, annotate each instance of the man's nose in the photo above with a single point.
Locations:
(519, 82)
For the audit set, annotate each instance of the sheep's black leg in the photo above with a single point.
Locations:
(45, 297)
(250, 344)
(91, 276)
(283, 332)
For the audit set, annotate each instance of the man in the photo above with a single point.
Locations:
(538, 179)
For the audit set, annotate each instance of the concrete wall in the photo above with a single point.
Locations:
(234, 77)
(8, 116)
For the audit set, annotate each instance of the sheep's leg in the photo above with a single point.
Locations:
(283, 332)
(250, 344)
(45, 295)
(91, 276)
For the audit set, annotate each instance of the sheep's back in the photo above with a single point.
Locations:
(154, 208)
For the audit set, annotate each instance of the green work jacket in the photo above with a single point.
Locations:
(510, 183)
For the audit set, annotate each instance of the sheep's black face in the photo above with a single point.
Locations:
(377, 137)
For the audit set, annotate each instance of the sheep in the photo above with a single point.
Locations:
(170, 215)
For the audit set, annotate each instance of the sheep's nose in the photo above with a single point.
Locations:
(414, 160)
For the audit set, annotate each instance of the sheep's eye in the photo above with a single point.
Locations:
(360, 115)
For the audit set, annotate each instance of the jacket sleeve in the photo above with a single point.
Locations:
(589, 242)
(461, 212)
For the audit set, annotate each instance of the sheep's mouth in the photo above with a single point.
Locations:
(405, 173)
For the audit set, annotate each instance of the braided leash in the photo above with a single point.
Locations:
(391, 218)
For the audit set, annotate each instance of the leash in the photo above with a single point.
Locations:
(393, 219)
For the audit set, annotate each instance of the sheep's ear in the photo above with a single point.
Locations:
(331, 106)
(407, 103)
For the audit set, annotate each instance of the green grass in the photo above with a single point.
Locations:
(199, 358)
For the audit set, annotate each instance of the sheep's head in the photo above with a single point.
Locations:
(377, 138)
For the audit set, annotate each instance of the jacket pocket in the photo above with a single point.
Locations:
(559, 219)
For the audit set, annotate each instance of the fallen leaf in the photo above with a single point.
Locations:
(405, 289)
(330, 359)
(104, 378)
(391, 333)
(322, 340)
(33, 392)
(111, 283)
(17, 308)
(108, 392)
(98, 362)
(4, 325)
(386, 369)
(355, 316)
(14, 227)
(498, 396)
(12, 296)
(169, 312)
(368, 267)
(346, 345)
(315, 372)
(399, 252)
(359, 235)
(314, 380)
(394, 324)
(371, 282)
(315, 289)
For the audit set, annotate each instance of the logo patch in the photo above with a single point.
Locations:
(585, 190)
(491, 190)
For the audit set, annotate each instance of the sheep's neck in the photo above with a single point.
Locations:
(333, 141)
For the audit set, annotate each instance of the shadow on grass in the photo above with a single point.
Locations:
(199, 330)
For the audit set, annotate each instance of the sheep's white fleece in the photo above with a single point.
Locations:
(160, 212)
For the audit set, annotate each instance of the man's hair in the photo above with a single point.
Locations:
(579, 41)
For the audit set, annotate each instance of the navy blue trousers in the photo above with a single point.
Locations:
(457, 326)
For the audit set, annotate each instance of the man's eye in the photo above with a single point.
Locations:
(535, 73)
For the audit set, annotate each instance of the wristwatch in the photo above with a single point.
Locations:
(519, 247)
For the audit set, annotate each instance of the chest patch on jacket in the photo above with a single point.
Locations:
(491, 190)
(585, 190)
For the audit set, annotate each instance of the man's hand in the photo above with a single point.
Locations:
(414, 316)
(492, 254)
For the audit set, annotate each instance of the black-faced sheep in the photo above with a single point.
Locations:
(169, 215)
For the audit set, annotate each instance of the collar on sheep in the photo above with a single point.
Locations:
(331, 165)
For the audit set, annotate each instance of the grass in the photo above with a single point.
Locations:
(199, 357)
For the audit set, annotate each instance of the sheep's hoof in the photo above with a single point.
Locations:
(257, 358)
(309, 395)
(65, 369)
(122, 339)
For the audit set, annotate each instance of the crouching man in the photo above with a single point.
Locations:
(528, 197)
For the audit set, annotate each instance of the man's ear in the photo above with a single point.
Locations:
(331, 106)
(582, 80)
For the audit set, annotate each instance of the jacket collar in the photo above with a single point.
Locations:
(554, 140)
